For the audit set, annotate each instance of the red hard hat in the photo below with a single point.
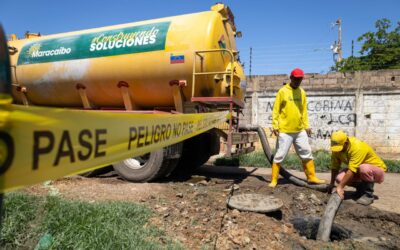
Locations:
(297, 73)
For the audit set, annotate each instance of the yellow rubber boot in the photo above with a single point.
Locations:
(309, 170)
(274, 175)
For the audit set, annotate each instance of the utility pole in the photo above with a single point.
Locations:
(352, 48)
(337, 45)
(339, 24)
(251, 55)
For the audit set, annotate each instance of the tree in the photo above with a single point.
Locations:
(380, 50)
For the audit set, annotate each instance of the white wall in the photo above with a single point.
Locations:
(364, 104)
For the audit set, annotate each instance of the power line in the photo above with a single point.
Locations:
(290, 55)
(317, 63)
(290, 45)
(308, 53)
(279, 52)
(314, 48)
(293, 62)
(291, 59)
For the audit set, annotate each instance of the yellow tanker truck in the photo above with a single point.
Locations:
(181, 64)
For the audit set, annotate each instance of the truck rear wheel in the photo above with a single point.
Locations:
(151, 166)
(196, 152)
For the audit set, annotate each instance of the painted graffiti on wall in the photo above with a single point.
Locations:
(325, 134)
(365, 104)
(326, 114)
(318, 104)
(315, 104)
(332, 119)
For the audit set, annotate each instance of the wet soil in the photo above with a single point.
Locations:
(194, 211)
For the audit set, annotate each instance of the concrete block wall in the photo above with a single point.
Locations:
(365, 104)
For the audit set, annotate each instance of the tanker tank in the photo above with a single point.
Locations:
(142, 56)
(136, 66)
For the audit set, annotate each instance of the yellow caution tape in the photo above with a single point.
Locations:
(38, 144)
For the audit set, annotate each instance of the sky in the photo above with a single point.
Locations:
(283, 34)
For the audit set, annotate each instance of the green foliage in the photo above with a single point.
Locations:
(380, 50)
(77, 225)
(227, 161)
(256, 159)
(322, 161)
(393, 166)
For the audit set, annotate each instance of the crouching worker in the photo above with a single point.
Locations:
(290, 125)
(364, 167)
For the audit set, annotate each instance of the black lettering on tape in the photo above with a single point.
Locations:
(40, 149)
(86, 144)
(177, 129)
(99, 142)
(9, 142)
(69, 152)
(146, 141)
(157, 133)
(132, 136)
(169, 131)
(152, 134)
(163, 130)
(140, 136)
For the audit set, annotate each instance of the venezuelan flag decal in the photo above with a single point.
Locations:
(177, 59)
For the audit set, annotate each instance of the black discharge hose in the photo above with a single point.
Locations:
(285, 174)
(325, 225)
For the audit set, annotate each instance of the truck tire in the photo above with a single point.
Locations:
(195, 153)
(149, 167)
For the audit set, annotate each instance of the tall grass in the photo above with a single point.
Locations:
(18, 220)
(63, 224)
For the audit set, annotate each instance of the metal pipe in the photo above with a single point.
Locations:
(212, 73)
(198, 53)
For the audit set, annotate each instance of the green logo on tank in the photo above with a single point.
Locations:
(128, 40)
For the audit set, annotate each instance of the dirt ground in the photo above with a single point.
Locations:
(194, 211)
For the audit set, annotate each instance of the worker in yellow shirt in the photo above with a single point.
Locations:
(290, 125)
(364, 167)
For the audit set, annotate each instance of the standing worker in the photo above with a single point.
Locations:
(364, 167)
(290, 125)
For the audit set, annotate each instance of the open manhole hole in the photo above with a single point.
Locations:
(308, 227)
(255, 203)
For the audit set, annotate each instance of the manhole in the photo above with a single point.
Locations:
(255, 203)
(308, 227)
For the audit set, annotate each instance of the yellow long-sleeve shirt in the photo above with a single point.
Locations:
(357, 153)
(290, 110)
